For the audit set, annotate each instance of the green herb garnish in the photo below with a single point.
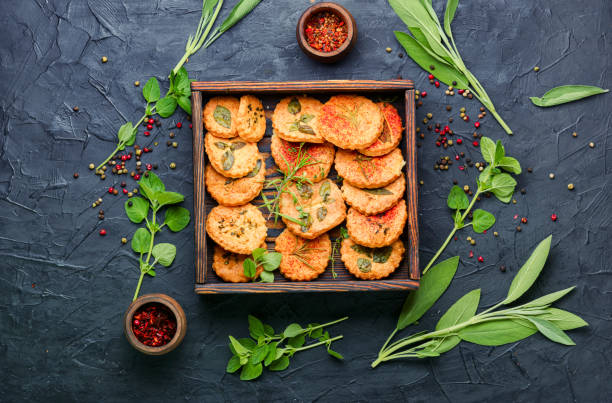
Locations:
(223, 116)
(270, 261)
(335, 248)
(566, 93)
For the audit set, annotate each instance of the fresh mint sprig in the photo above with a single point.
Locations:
(269, 261)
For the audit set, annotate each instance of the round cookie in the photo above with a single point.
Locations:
(303, 260)
(350, 121)
(391, 134)
(238, 229)
(286, 155)
(235, 192)
(319, 207)
(374, 201)
(371, 263)
(251, 120)
(378, 230)
(229, 266)
(295, 119)
(231, 158)
(220, 115)
(369, 172)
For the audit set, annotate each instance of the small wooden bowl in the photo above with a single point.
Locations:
(173, 306)
(344, 49)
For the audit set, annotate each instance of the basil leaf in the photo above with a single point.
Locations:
(223, 116)
(185, 103)
(566, 93)
(548, 298)
(271, 260)
(227, 159)
(487, 149)
(482, 220)
(164, 198)
(457, 200)
(237, 348)
(321, 213)
(551, 331)
(279, 364)
(379, 191)
(502, 186)
(154, 182)
(563, 319)
(509, 164)
(259, 354)
(150, 91)
(460, 311)
(258, 254)
(166, 106)
(530, 271)
(249, 268)
(147, 192)
(433, 284)
(496, 333)
(364, 265)
(141, 241)
(255, 170)
(138, 210)
(292, 330)
(176, 218)
(256, 327)
(181, 82)
(267, 277)
(294, 107)
(381, 255)
(233, 365)
(164, 253)
(251, 371)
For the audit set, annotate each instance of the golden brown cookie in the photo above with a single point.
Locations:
(317, 208)
(319, 156)
(295, 119)
(232, 158)
(371, 263)
(369, 172)
(235, 192)
(377, 230)
(374, 201)
(303, 260)
(391, 134)
(220, 115)
(251, 121)
(229, 266)
(350, 121)
(238, 229)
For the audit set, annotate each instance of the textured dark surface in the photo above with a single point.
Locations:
(63, 288)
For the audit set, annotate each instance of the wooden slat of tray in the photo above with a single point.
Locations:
(405, 277)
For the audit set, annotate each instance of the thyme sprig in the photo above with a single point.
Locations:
(301, 251)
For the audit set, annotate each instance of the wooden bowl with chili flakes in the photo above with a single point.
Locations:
(155, 324)
(326, 32)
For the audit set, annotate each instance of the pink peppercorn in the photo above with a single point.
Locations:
(149, 126)
(179, 125)
(147, 133)
(477, 124)
(553, 217)
(431, 76)
(437, 84)
(424, 94)
(480, 259)
(475, 143)
(459, 141)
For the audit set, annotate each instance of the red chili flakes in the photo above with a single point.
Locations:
(325, 31)
(154, 325)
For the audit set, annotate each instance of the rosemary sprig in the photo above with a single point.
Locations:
(301, 251)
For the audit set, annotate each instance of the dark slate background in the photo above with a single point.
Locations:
(64, 289)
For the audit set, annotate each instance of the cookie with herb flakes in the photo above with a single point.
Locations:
(239, 229)
(391, 133)
(371, 263)
(378, 230)
(350, 121)
(318, 157)
(303, 259)
(367, 172)
(295, 119)
(220, 115)
(236, 191)
(374, 201)
(251, 120)
(310, 210)
(229, 266)
(233, 158)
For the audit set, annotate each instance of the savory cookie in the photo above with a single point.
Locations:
(235, 192)
(220, 115)
(238, 229)
(251, 121)
(303, 260)
(319, 207)
(229, 266)
(391, 134)
(377, 230)
(231, 158)
(369, 172)
(350, 121)
(374, 201)
(320, 157)
(295, 119)
(371, 263)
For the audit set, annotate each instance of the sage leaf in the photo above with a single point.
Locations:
(259, 354)
(510, 164)
(227, 160)
(280, 364)
(138, 210)
(566, 93)
(256, 327)
(165, 198)
(445, 344)
(379, 191)
(381, 255)
(141, 241)
(249, 268)
(223, 116)
(321, 213)
(460, 311)
(185, 103)
(487, 149)
(255, 170)
(433, 284)
(496, 333)
(292, 330)
(548, 298)
(176, 218)
(164, 253)
(482, 220)
(166, 106)
(457, 200)
(563, 319)
(364, 265)
(266, 277)
(294, 107)
(251, 371)
(449, 15)
(233, 365)
(530, 271)
(271, 260)
(150, 91)
(551, 331)
(238, 12)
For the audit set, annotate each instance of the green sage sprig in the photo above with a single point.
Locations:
(491, 327)
(238, 12)
(269, 261)
(175, 218)
(566, 93)
(433, 48)
(266, 349)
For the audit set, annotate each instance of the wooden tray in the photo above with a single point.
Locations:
(398, 92)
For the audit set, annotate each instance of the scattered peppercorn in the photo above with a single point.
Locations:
(480, 259)
(502, 268)
(536, 69)
(104, 59)
(124, 240)
(518, 228)
(172, 165)
(592, 145)
(75, 175)
(553, 217)
(523, 191)
(570, 186)
(102, 232)
(495, 233)
(179, 125)
(530, 170)
(524, 220)
(174, 144)
(136, 83)
(388, 50)
(574, 134)
(76, 109)
(551, 175)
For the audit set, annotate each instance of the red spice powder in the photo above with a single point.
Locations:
(325, 31)
(154, 325)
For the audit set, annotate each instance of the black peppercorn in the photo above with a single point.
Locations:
(502, 268)
(130, 203)
(518, 228)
